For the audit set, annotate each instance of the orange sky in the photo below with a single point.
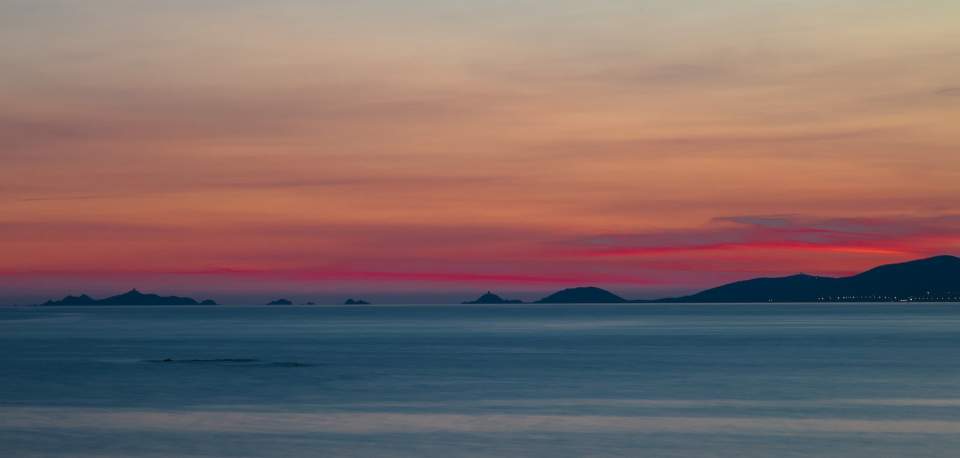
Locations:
(428, 149)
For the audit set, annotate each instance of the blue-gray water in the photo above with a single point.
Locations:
(528, 381)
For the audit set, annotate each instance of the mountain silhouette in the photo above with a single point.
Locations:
(132, 297)
(582, 295)
(280, 302)
(930, 279)
(490, 298)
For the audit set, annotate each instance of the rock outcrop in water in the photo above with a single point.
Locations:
(935, 279)
(281, 302)
(132, 297)
(352, 301)
(582, 295)
(490, 298)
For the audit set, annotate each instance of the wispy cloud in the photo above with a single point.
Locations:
(731, 144)
(891, 236)
(334, 275)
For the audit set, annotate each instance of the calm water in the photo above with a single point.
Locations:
(526, 381)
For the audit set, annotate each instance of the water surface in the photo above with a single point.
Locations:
(851, 380)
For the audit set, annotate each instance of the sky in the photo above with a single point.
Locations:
(429, 151)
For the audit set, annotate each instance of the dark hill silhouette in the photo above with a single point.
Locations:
(582, 295)
(930, 279)
(490, 298)
(132, 297)
(82, 299)
(281, 302)
(352, 301)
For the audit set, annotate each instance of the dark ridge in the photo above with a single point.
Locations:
(132, 297)
(490, 298)
(82, 299)
(280, 302)
(582, 295)
(935, 279)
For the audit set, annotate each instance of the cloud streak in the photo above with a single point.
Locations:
(886, 236)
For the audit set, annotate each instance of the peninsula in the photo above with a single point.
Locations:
(935, 279)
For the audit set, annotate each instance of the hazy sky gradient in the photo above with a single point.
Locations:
(427, 149)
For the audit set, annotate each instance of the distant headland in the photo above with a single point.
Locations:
(935, 279)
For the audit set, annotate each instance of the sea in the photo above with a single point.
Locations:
(731, 380)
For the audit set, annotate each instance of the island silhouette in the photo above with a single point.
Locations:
(582, 295)
(935, 279)
(490, 298)
(132, 297)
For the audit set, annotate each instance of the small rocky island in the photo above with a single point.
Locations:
(132, 297)
(582, 295)
(280, 302)
(490, 298)
(352, 301)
